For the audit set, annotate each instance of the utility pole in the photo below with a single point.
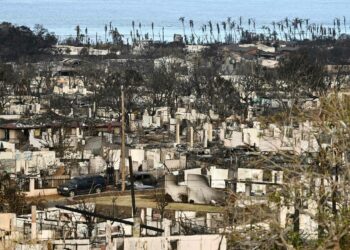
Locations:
(122, 153)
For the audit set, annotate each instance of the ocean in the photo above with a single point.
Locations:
(62, 16)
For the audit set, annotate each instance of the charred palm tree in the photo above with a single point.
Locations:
(86, 35)
(307, 26)
(77, 30)
(140, 27)
(228, 25)
(152, 26)
(138, 35)
(106, 28)
(192, 31)
(206, 33)
(249, 23)
(133, 29)
(254, 25)
(274, 28)
(182, 20)
(116, 36)
(210, 30)
(218, 31)
(204, 30)
(338, 25)
(233, 28)
(224, 27)
(344, 23)
(280, 29)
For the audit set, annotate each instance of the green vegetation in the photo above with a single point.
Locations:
(20, 41)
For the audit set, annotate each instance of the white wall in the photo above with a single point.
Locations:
(251, 174)
(114, 158)
(194, 242)
(191, 171)
(218, 177)
(235, 139)
(153, 157)
(34, 159)
(8, 146)
(137, 155)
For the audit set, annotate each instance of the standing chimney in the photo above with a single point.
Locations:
(222, 131)
(136, 230)
(33, 222)
(177, 132)
(166, 227)
(210, 132)
(109, 235)
(205, 138)
(191, 137)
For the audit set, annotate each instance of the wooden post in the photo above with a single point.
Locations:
(132, 188)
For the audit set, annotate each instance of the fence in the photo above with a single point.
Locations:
(51, 181)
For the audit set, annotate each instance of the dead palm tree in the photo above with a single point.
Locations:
(228, 25)
(295, 23)
(253, 20)
(182, 20)
(152, 26)
(274, 29)
(140, 27)
(77, 29)
(86, 34)
(233, 28)
(224, 27)
(192, 31)
(138, 35)
(280, 27)
(106, 33)
(133, 29)
(205, 35)
(286, 20)
(218, 30)
(116, 36)
(307, 27)
(210, 30)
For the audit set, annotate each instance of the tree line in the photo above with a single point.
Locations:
(20, 41)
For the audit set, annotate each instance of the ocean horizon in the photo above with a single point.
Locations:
(62, 16)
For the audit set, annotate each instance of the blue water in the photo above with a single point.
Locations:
(61, 16)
